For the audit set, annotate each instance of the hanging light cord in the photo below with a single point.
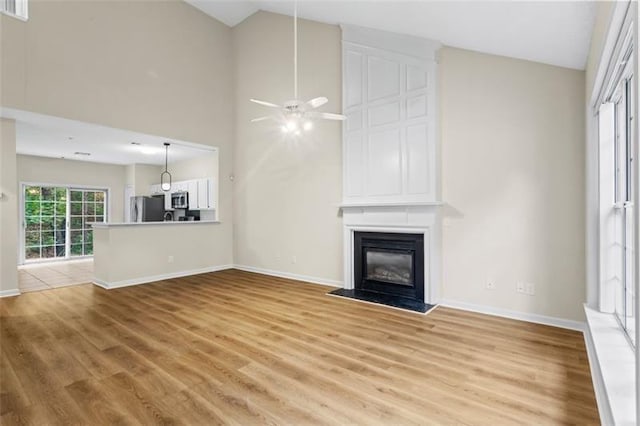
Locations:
(166, 186)
(166, 157)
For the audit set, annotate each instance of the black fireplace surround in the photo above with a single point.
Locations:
(390, 264)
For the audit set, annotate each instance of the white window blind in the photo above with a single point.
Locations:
(16, 8)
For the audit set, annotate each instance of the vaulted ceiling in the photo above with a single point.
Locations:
(552, 32)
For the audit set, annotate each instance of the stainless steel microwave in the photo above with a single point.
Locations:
(180, 200)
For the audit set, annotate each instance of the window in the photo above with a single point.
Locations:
(45, 211)
(623, 200)
(86, 206)
(56, 221)
(16, 8)
(612, 229)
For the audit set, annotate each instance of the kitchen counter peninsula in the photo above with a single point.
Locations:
(97, 225)
(134, 253)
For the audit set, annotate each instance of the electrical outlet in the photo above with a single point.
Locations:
(294, 259)
(491, 285)
(170, 259)
(530, 289)
(526, 288)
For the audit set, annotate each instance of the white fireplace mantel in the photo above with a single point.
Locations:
(410, 219)
(349, 205)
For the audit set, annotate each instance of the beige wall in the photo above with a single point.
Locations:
(82, 173)
(204, 166)
(144, 176)
(287, 193)
(513, 180)
(156, 67)
(8, 207)
(141, 252)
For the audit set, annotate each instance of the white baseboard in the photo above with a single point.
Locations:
(280, 274)
(149, 279)
(523, 316)
(9, 293)
(489, 310)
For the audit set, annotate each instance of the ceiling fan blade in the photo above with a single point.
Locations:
(260, 119)
(268, 104)
(327, 115)
(317, 102)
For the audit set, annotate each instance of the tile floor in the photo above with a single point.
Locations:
(43, 276)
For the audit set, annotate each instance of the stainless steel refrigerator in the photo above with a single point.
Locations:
(147, 209)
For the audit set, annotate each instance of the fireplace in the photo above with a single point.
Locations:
(391, 255)
(389, 263)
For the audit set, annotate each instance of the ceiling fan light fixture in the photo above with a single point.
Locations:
(295, 109)
(292, 125)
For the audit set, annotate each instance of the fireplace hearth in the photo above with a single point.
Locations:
(389, 263)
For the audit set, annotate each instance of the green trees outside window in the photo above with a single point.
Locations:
(57, 221)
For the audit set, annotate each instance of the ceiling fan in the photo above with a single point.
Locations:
(297, 115)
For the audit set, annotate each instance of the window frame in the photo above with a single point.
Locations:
(21, 6)
(620, 89)
(22, 219)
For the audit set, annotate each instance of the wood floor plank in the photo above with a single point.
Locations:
(98, 404)
(12, 395)
(239, 348)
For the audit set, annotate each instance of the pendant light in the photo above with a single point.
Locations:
(165, 177)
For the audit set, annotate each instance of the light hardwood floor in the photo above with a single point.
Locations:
(234, 347)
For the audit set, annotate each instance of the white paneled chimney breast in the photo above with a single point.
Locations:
(390, 153)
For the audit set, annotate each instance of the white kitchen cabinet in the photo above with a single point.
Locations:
(203, 194)
(192, 189)
(212, 193)
(182, 186)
